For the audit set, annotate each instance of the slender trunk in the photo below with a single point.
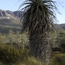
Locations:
(40, 47)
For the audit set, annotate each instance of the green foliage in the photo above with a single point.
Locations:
(61, 40)
(57, 40)
(9, 54)
(58, 59)
(52, 39)
(15, 38)
(2, 38)
(31, 61)
(1, 63)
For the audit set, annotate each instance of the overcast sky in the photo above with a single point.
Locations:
(13, 5)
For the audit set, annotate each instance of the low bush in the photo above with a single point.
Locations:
(11, 54)
(8, 54)
(31, 61)
(58, 59)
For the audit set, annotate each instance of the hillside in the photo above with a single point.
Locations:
(9, 20)
(60, 26)
(63, 26)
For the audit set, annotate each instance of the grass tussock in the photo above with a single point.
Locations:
(11, 55)
(58, 59)
(31, 61)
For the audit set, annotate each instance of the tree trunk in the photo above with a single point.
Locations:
(40, 47)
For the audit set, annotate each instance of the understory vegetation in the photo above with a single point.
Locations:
(14, 49)
(12, 55)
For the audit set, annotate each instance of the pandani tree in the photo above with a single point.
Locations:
(38, 20)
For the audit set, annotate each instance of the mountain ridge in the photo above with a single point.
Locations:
(11, 20)
(4, 13)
